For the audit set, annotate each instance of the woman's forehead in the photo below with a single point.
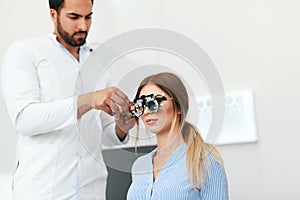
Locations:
(151, 89)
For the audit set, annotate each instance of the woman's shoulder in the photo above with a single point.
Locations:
(215, 171)
(143, 164)
(216, 184)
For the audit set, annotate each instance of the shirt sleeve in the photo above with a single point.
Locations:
(215, 186)
(20, 87)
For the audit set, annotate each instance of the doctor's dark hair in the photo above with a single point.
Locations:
(197, 161)
(58, 4)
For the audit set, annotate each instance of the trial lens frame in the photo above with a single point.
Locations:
(151, 101)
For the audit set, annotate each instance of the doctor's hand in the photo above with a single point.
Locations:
(104, 100)
(117, 104)
(123, 118)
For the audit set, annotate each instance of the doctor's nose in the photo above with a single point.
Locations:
(83, 25)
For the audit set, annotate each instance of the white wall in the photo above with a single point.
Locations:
(254, 44)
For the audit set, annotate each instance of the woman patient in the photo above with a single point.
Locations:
(182, 166)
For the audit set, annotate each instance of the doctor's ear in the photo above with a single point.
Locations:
(53, 15)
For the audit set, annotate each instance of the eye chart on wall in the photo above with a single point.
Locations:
(239, 123)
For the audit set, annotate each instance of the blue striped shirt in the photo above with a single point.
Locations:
(173, 180)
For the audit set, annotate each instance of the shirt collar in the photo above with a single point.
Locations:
(82, 49)
(53, 38)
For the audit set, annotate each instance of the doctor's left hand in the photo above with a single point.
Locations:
(121, 111)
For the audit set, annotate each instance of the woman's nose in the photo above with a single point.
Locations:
(146, 110)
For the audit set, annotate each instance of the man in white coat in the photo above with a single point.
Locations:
(59, 138)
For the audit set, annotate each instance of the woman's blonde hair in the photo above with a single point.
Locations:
(197, 160)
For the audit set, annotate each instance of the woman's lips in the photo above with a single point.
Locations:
(150, 121)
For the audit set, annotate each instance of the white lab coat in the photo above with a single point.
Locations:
(58, 157)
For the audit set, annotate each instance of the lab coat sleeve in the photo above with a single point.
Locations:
(20, 87)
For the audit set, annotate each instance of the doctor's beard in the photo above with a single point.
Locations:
(70, 40)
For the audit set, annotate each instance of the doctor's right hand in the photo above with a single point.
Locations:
(105, 100)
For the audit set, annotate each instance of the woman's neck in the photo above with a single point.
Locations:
(169, 142)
